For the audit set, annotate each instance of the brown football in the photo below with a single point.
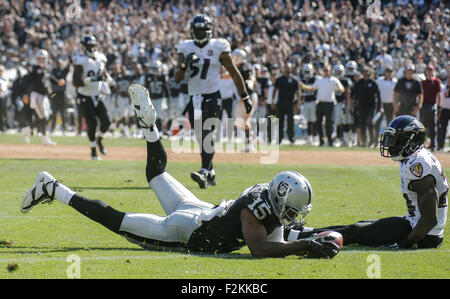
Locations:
(338, 238)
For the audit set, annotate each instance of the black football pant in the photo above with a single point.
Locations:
(211, 109)
(58, 105)
(442, 128)
(382, 232)
(91, 109)
(3, 114)
(285, 110)
(325, 110)
(428, 119)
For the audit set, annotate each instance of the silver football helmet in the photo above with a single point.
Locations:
(238, 56)
(339, 71)
(41, 57)
(308, 71)
(156, 67)
(290, 195)
(351, 67)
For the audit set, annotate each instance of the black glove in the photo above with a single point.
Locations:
(247, 104)
(321, 247)
(190, 58)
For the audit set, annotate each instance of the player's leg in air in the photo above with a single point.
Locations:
(148, 230)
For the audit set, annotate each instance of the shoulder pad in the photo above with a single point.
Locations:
(222, 45)
(102, 57)
(417, 167)
(183, 46)
(79, 59)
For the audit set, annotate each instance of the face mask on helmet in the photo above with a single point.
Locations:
(201, 29)
(398, 144)
(90, 46)
(290, 195)
(41, 58)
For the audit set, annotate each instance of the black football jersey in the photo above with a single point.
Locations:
(123, 82)
(156, 86)
(309, 96)
(246, 71)
(39, 80)
(223, 234)
(340, 96)
(174, 87)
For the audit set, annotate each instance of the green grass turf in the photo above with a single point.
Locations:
(41, 241)
(168, 143)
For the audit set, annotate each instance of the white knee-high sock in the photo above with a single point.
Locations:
(63, 193)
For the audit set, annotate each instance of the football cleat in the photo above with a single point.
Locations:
(100, 145)
(42, 191)
(47, 141)
(212, 179)
(145, 112)
(201, 177)
(94, 155)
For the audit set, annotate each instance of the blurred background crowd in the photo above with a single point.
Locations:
(133, 34)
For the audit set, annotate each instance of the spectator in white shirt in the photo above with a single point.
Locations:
(385, 58)
(326, 87)
(3, 98)
(386, 86)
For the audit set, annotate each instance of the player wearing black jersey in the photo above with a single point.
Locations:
(309, 99)
(255, 219)
(343, 117)
(156, 83)
(39, 90)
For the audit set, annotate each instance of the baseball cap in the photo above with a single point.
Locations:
(410, 67)
(430, 67)
(388, 69)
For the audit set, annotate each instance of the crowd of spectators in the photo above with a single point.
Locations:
(320, 32)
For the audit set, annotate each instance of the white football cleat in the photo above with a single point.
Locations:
(42, 191)
(47, 141)
(26, 134)
(145, 111)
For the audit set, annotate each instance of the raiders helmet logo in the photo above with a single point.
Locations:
(283, 189)
(416, 169)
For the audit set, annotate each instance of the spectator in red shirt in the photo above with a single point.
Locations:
(431, 92)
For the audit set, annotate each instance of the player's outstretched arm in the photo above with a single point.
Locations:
(227, 62)
(255, 236)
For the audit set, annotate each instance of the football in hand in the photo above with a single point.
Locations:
(338, 239)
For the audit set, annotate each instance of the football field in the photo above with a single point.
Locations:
(55, 241)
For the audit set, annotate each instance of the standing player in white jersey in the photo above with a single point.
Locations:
(88, 77)
(424, 186)
(201, 59)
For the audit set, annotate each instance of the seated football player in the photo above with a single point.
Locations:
(255, 219)
(423, 184)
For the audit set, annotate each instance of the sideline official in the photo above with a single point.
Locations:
(287, 87)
